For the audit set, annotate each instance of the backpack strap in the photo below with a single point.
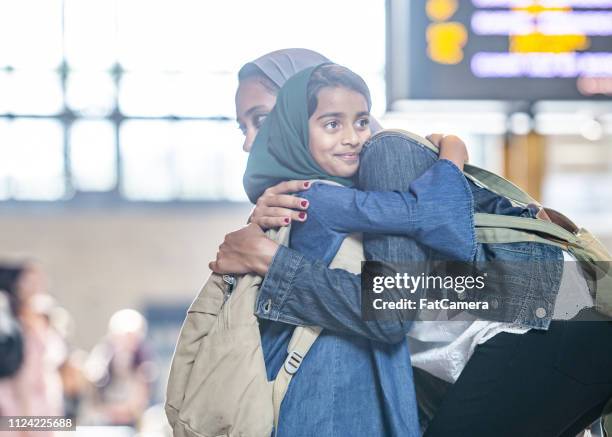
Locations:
(497, 225)
(302, 339)
(498, 185)
(606, 419)
(348, 257)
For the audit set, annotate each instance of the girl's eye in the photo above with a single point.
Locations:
(332, 124)
(242, 129)
(363, 122)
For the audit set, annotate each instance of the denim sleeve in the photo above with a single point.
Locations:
(299, 292)
(437, 211)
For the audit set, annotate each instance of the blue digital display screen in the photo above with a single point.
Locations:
(510, 49)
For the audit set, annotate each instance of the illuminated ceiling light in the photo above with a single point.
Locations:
(445, 42)
(590, 86)
(441, 10)
(592, 130)
(520, 123)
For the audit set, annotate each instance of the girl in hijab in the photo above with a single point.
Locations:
(348, 384)
(259, 83)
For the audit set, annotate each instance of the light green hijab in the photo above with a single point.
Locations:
(280, 151)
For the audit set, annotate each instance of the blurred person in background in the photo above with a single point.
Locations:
(11, 340)
(70, 381)
(35, 388)
(66, 378)
(74, 382)
(120, 368)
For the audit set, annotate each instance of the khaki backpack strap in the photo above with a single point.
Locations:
(302, 339)
(498, 185)
(591, 250)
(509, 223)
(606, 419)
(503, 235)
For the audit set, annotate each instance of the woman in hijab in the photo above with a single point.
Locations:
(259, 82)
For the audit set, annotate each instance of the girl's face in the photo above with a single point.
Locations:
(253, 104)
(338, 129)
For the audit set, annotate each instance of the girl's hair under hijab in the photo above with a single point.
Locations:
(334, 76)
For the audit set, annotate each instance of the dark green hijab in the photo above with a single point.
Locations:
(280, 151)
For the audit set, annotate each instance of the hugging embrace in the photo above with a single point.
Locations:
(320, 163)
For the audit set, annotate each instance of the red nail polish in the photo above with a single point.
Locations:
(306, 184)
(302, 215)
(304, 204)
(287, 220)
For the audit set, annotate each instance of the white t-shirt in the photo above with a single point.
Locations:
(443, 348)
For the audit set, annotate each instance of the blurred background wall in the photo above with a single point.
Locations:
(101, 260)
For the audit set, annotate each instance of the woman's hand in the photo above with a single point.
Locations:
(276, 207)
(245, 251)
(451, 148)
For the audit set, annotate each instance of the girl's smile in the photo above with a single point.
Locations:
(349, 157)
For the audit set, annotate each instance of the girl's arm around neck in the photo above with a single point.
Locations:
(437, 210)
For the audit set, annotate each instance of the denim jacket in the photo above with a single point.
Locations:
(356, 378)
(299, 289)
(532, 271)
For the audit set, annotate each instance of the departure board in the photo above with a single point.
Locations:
(510, 49)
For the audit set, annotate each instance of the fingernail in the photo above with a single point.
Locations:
(302, 215)
(287, 220)
(304, 203)
(306, 184)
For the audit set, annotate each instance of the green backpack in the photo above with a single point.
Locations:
(560, 231)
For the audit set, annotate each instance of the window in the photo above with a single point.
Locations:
(133, 99)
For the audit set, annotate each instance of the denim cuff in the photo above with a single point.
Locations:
(457, 171)
(457, 196)
(278, 283)
(471, 208)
